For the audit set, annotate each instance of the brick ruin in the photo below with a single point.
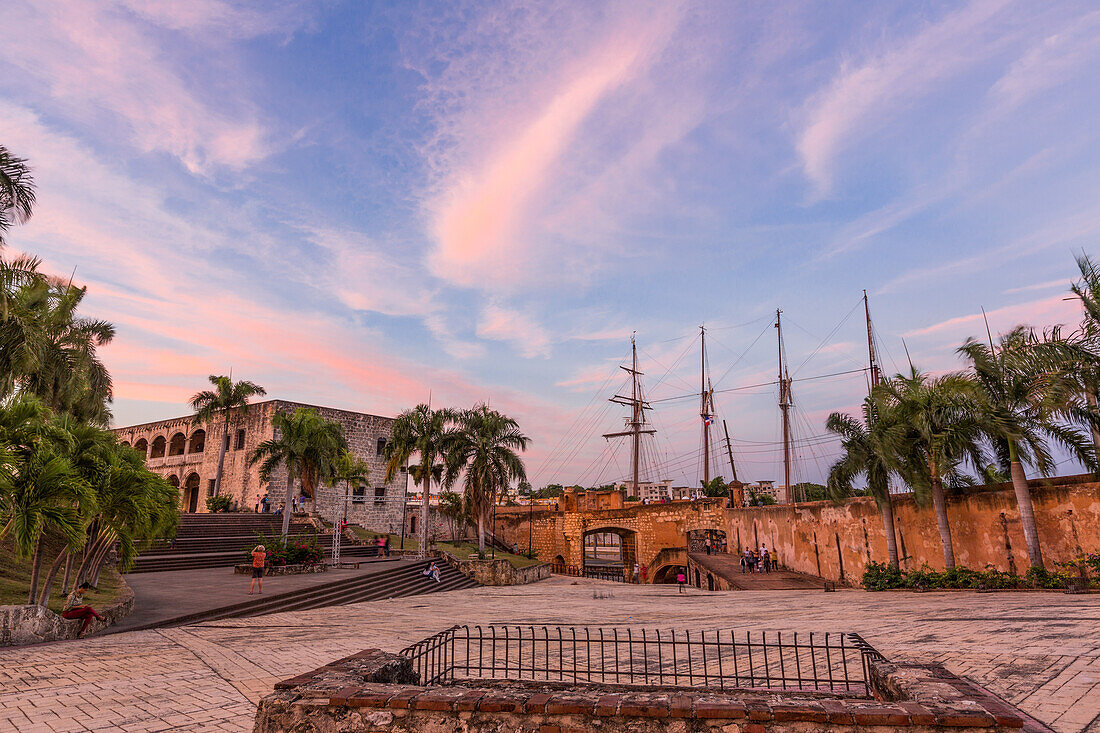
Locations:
(186, 454)
(377, 691)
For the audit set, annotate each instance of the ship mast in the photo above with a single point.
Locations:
(706, 405)
(637, 406)
(876, 372)
(784, 407)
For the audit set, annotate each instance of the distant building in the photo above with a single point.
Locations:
(768, 488)
(648, 490)
(186, 455)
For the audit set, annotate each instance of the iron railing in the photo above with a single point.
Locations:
(616, 574)
(827, 662)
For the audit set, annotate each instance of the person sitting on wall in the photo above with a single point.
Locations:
(75, 608)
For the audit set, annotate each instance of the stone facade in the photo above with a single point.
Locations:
(31, 624)
(834, 541)
(187, 455)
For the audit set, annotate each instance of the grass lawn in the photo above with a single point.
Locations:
(462, 550)
(15, 576)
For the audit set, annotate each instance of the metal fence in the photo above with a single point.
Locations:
(827, 662)
(616, 574)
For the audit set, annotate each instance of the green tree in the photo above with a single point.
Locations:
(1087, 289)
(484, 449)
(866, 452)
(39, 491)
(16, 191)
(450, 506)
(423, 432)
(221, 401)
(1028, 400)
(716, 487)
(351, 470)
(938, 428)
(306, 445)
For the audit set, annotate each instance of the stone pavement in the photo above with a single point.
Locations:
(174, 593)
(1041, 651)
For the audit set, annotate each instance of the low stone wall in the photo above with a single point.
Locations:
(246, 569)
(31, 624)
(498, 572)
(369, 691)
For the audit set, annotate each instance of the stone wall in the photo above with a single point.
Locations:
(348, 696)
(498, 572)
(242, 482)
(836, 541)
(30, 624)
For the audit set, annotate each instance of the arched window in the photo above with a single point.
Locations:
(159, 443)
(381, 448)
(177, 445)
(125, 443)
(174, 481)
(142, 446)
(240, 440)
(198, 442)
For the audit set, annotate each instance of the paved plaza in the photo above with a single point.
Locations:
(1041, 651)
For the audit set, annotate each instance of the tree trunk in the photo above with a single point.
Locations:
(101, 557)
(1027, 511)
(44, 596)
(481, 530)
(1090, 398)
(91, 549)
(221, 457)
(68, 572)
(289, 499)
(36, 563)
(939, 503)
(887, 509)
(424, 510)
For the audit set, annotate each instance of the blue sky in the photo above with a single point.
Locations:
(357, 204)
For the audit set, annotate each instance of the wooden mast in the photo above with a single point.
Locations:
(704, 411)
(784, 407)
(638, 406)
(876, 373)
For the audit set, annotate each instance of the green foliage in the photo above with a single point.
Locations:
(220, 503)
(289, 551)
(716, 487)
(881, 576)
(808, 491)
(761, 499)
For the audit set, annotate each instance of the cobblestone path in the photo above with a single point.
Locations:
(1040, 651)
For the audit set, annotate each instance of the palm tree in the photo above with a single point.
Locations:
(421, 431)
(16, 191)
(1028, 394)
(39, 491)
(306, 445)
(349, 469)
(226, 396)
(937, 430)
(483, 449)
(1087, 289)
(866, 453)
(450, 506)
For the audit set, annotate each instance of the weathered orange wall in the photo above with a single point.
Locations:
(821, 537)
(656, 527)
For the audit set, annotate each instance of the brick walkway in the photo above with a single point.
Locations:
(1041, 651)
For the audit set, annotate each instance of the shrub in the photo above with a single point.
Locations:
(220, 503)
(299, 551)
(880, 576)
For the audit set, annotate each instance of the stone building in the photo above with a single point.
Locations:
(186, 454)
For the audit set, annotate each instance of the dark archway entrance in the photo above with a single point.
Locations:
(610, 549)
(668, 573)
(697, 540)
(191, 493)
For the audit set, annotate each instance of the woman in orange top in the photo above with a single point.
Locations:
(259, 558)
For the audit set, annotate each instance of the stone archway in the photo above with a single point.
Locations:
(177, 446)
(191, 493)
(609, 549)
(668, 573)
(158, 447)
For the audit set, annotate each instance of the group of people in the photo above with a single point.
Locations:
(263, 505)
(759, 561)
(382, 543)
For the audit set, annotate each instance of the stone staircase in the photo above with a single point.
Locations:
(728, 567)
(221, 540)
(407, 579)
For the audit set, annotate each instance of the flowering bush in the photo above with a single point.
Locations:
(299, 551)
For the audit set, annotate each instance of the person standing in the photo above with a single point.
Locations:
(259, 560)
(766, 559)
(75, 608)
(637, 571)
(680, 581)
(743, 564)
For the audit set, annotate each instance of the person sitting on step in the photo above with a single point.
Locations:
(75, 608)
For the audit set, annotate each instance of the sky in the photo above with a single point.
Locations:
(369, 205)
